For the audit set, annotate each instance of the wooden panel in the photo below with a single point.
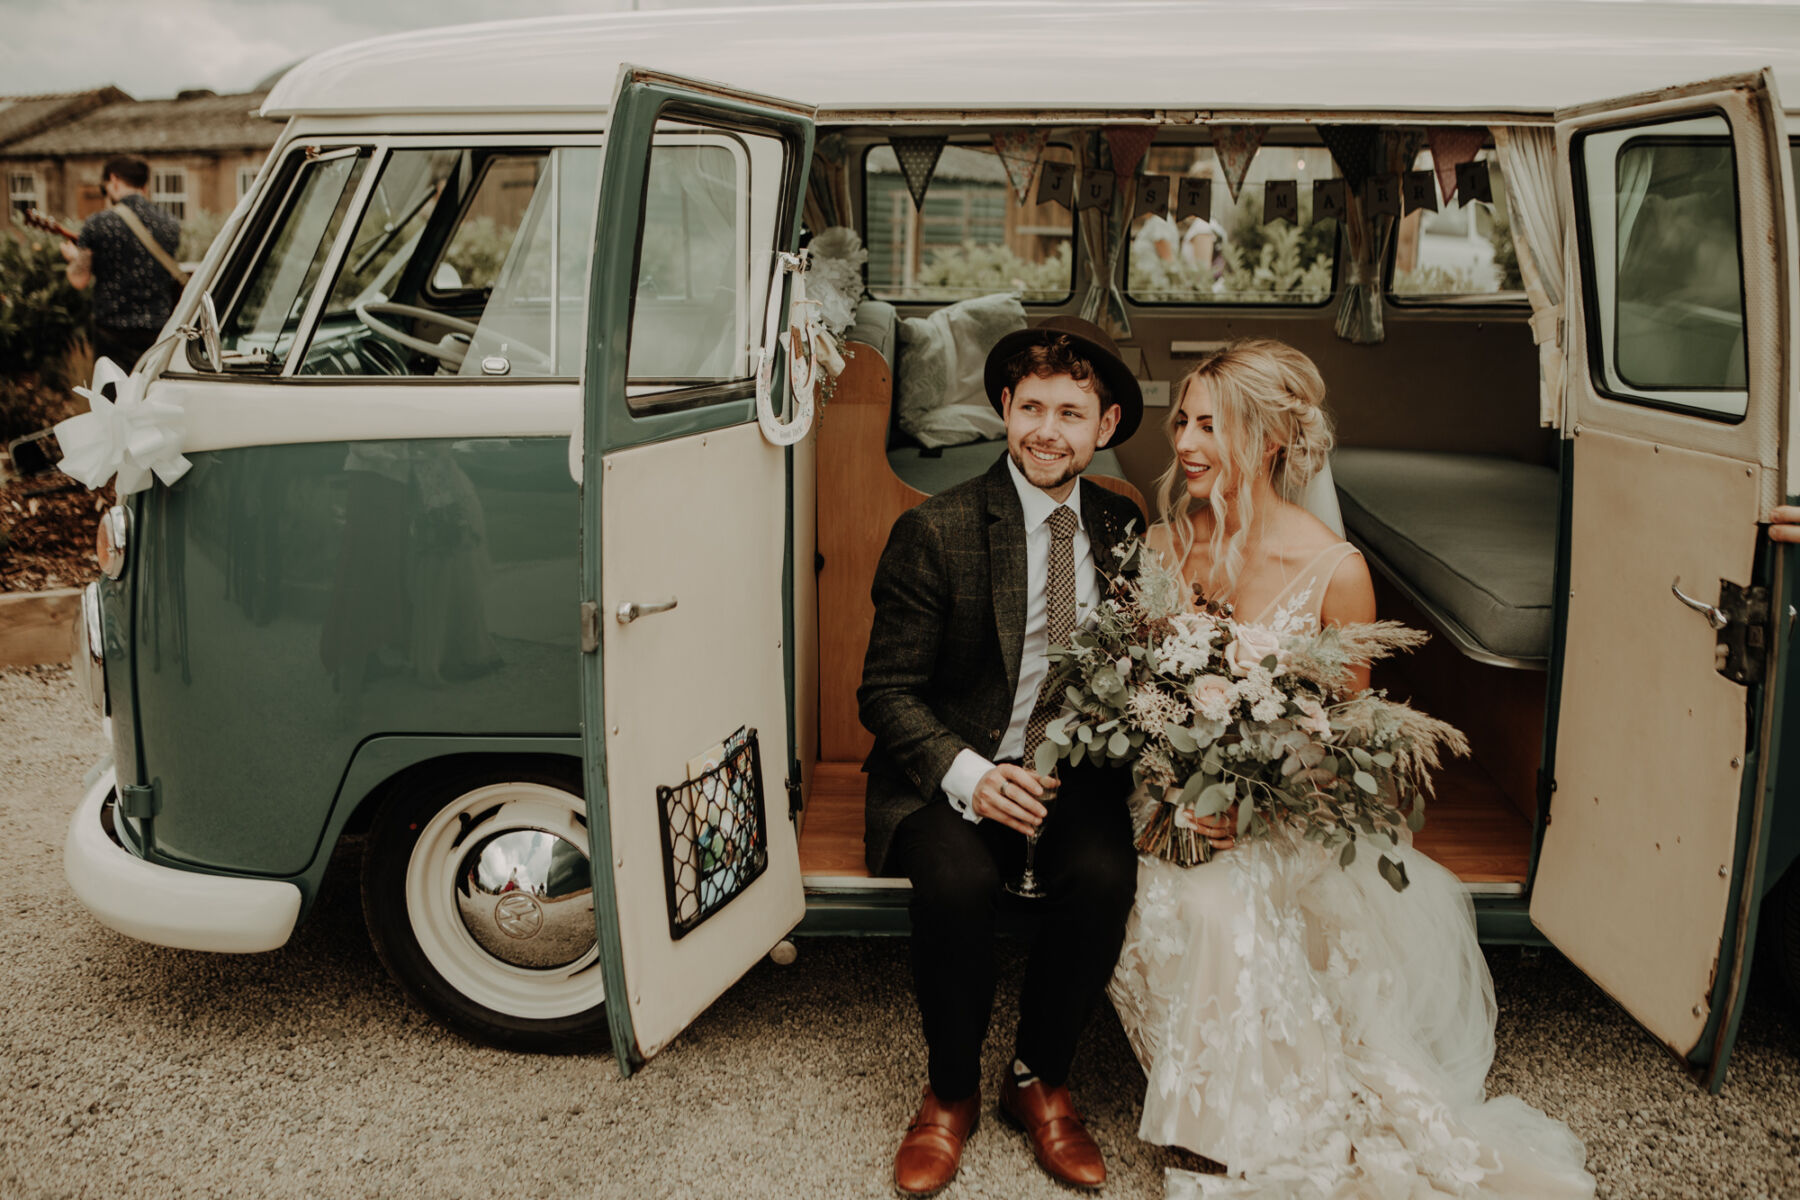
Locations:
(1470, 828)
(38, 627)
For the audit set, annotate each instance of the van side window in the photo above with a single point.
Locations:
(1661, 245)
(1233, 256)
(972, 238)
(1464, 251)
(259, 326)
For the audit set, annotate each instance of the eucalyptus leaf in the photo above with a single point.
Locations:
(1210, 764)
(1415, 820)
(1347, 855)
(1058, 731)
(1385, 760)
(1362, 757)
(1074, 696)
(1192, 788)
(1366, 782)
(1394, 872)
(1180, 739)
(1078, 750)
(1118, 745)
(1044, 761)
(1246, 814)
(1085, 733)
(1215, 799)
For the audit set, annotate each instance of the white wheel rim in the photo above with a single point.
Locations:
(431, 905)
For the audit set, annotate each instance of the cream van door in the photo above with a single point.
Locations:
(685, 575)
(1680, 330)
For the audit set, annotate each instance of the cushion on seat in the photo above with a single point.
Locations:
(875, 325)
(1475, 535)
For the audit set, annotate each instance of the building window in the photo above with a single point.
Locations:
(22, 192)
(245, 177)
(168, 191)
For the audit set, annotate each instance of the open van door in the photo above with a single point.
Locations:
(1681, 331)
(687, 572)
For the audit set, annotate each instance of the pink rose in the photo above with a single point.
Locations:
(1253, 644)
(1313, 714)
(1212, 697)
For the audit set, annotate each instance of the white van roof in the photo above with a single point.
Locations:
(964, 61)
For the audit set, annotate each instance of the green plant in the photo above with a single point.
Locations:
(41, 319)
(977, 269)
(1279, 268)
(197, 234)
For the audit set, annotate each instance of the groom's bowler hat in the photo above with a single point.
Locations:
(1092, 344)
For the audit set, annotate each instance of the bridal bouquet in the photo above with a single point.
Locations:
(1251, 715)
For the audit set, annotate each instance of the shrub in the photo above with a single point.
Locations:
(197, 234)
(977, 269)
(42, 343)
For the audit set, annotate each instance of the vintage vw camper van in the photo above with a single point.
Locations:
(508, 544)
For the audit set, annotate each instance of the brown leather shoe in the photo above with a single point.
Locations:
(1063, 1145)
(932, 1148)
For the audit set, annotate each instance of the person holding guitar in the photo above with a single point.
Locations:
(127, 253)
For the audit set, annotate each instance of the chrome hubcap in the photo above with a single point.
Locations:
(525, 896)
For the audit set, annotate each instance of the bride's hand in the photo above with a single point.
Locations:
(1220, 831)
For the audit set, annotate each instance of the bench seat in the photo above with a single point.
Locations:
(932, 473)
(1469, 538)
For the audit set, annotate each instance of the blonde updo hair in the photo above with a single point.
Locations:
(1265, 393)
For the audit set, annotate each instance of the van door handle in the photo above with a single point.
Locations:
(1714, 617)
(631, 610)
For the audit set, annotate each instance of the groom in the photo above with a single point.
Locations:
(974, 586)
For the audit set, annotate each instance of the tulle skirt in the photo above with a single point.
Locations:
(1323, 1035)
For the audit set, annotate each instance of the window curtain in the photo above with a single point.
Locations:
(1103, 239)
(1528, 161)
(828, 185)
(1359, 317)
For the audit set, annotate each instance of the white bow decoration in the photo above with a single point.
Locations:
(128, 436)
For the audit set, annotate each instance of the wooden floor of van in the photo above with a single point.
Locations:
(1470, 827)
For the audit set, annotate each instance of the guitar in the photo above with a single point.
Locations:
(39, 219)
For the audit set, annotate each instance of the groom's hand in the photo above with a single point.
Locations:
(1784, 523)
(1009, 794)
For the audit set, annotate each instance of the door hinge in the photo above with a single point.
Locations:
(793, 791)
(139, 801)
(590, 627)
(1742, 655)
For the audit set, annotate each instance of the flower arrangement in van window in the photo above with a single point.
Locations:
(1255, 716)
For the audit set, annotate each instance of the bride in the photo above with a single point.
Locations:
(1314, 1031)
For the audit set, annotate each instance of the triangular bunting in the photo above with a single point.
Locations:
(918, 158)
(1381, 196)
(1281, 198)
(1056, 184)
(1418, 189)
(1472, 182)
(1353, 149)
(1128, 143)
(1152, 196)
(1235, 146)
(1330, 200)
(1451, 146)
(1194, 198)
(1096, 189)
(1019, 151)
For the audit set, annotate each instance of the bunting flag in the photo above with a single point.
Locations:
(1153, 195)
(1381, 196)
(918, 159)
(1472, 183)
(1194, 199)
(1353, 149)
(1096, 189)
(1128, 143)
(1019, 151)
(1235, 146)
(1281, 198)
(1056, 184)
(1331, 200)
(1452, 146)
(1418, 190)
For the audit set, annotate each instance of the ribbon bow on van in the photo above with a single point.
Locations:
(127, 436)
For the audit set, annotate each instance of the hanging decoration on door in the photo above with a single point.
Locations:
(798, 341)
(1128, 144)
(122, 434)
(918, 158)
(1235, 146)
(1019, 151)
(1452, 146)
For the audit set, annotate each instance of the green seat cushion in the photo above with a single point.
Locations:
(950, 465)
(1473, 534)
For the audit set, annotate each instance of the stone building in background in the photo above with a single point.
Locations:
(203, 149)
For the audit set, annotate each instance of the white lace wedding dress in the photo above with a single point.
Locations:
(1320, 1034)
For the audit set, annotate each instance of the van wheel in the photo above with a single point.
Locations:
(478, 898)
(1779, 933)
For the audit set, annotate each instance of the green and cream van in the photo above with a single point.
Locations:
(510, 545)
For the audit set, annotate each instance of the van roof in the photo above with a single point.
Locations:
(969, 59)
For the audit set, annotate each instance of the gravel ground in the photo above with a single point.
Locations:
(131, 1070)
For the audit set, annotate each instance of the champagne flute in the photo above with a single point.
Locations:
(1028, 885)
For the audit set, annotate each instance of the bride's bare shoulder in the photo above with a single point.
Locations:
(1160, 539)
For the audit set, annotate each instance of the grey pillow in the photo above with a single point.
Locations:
(941, 398)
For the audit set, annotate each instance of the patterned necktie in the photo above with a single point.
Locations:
(1059, 618)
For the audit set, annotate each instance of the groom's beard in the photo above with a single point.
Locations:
(1048, 476)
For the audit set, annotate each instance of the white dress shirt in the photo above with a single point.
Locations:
(968, 767)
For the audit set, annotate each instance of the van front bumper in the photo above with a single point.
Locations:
(163, 905)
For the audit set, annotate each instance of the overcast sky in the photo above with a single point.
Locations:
(155, 48)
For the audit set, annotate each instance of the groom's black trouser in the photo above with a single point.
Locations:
(1085, 859)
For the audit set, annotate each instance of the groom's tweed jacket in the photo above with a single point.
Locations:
(943, 659)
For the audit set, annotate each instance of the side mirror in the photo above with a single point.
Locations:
(204, 330)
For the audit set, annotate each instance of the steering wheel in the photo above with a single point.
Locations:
(451, 354)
